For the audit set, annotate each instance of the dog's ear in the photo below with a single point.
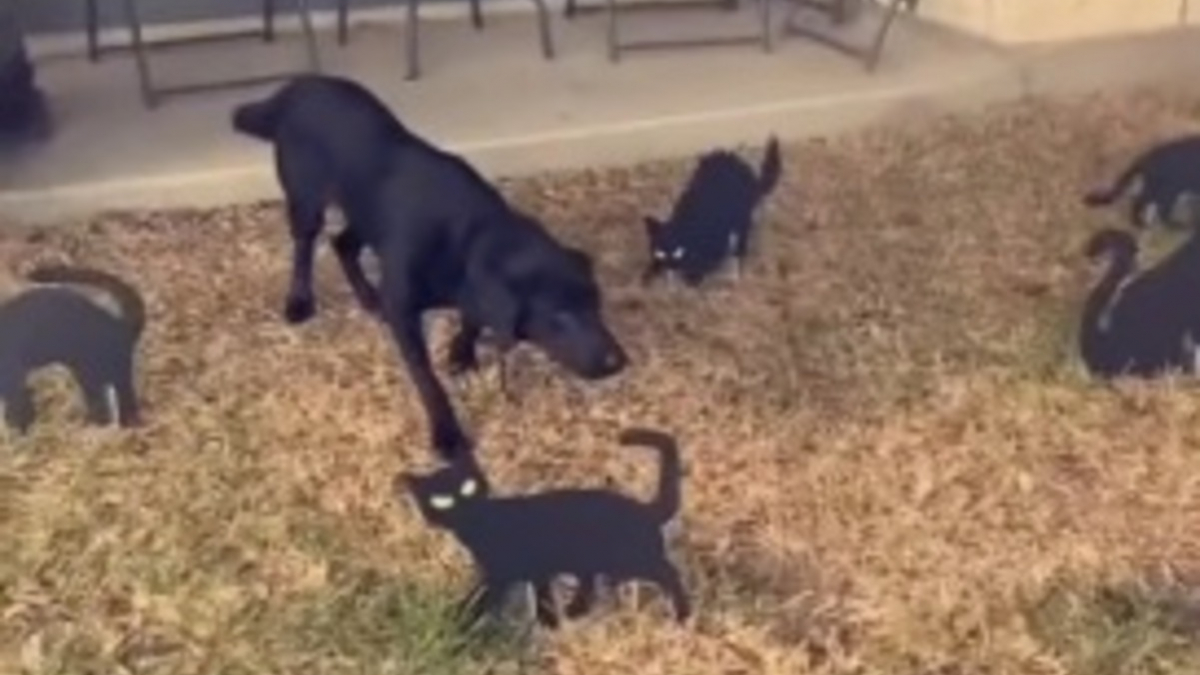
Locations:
(582, 261)
(488, 300)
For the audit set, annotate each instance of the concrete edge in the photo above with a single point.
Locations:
(624, 142)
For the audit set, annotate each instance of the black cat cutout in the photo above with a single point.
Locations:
(533, 539)
(46, 326)
(712, 219)
(1142, 326)
(1168, 172)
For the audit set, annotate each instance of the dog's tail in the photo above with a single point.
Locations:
(666, 503)
(772, 168)
(133, 308)
(260, 118)
(1106, 196)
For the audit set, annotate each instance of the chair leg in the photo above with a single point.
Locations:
(414, 68)
(614, 44)
(476, 14)
(343, 22)
(92, 18)
(304, 9)
(544, 29)
(268, 12)
(764, 9)
(134, 19)
(881, 35)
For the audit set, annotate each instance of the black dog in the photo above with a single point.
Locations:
(533, 539)
(1146, 326)
(713, 217)
(45, 326)
(1168, 172)
(444, 237)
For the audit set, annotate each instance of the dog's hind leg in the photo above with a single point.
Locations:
(349, 246)
(463, 356)
(305, 185)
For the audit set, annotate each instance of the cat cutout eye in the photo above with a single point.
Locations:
(469, 487)
(442, 502)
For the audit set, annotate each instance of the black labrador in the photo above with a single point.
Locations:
(444, 237)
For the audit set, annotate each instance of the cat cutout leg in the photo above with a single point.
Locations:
(667, 578)
(128, 410)
(481, 602)
(1139, 210)
(735, 253)
(545, 609)
(584, 600)
(502, 377)
(18, 408)
(97, 399)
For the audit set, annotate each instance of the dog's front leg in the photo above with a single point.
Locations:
(447, 436)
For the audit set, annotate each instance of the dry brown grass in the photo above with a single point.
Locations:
(894, 466)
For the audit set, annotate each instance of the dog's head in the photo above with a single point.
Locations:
(547, 296)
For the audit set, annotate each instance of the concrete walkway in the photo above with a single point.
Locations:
(492, 97)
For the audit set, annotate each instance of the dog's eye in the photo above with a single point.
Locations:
(441, 502)
(469, 488)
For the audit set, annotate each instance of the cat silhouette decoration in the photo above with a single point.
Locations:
(531, 540)
(50, 325)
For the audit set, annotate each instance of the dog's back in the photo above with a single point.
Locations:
(349, 128)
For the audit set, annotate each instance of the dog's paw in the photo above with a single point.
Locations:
(299, 310)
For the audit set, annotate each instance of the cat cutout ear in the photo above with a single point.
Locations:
(469, 488)
(653, 226)
(441, 502)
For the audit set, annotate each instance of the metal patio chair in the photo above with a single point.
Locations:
(616, 45)
(412, 30)
(839, 12)
(152, 92)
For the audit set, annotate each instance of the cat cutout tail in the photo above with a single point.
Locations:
(1106, 196)
(132, 307)
(771, 169)
(666, 503)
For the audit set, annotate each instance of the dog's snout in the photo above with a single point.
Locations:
(614, 361)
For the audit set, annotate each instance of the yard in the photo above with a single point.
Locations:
(894, 465)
